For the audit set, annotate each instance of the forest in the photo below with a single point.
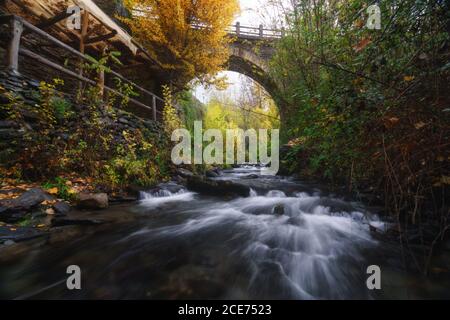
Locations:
(358, 89)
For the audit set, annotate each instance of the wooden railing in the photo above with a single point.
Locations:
(14, 49)
(255, 32)
(247, 32)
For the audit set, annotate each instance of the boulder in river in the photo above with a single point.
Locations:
(171, 186)
(61, 208)
(15, 209)
(93, 201)
(184, 173)
(278, 210)
(18, 234)
(217, 187)
(211, 174)
(251, 176)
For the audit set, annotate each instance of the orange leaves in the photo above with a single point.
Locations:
(408, 78)
(362, 44)
(184, 35)
(390, 122)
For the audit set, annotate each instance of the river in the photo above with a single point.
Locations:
(288, 240)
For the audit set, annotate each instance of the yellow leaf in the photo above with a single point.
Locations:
(53, 190)
(408, 78)
(40, 226)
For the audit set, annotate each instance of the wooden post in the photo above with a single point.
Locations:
(12, 56)
(154, 107)
(238, 28)
(84, 29)
(261, 31)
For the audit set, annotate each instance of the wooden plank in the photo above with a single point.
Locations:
(54, 65)
(55, 19)
(61, 44)
(118, 75)
(57, 67)
(101, 38)
(50, 38)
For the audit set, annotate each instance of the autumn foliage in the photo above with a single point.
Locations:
(187, 38)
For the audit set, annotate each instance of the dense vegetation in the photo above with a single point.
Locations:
(369, 108)
(187, 39)
(255, 109)
(57, 139)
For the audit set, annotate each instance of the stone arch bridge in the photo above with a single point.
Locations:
(251, 51)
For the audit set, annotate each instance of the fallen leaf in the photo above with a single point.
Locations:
(50, 211)
(419, 125)
(408, 78)
(362, 44)
(391, 122)
(40, 226)
(48, 202)
(53, 190)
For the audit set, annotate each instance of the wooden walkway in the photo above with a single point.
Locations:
(19, 28)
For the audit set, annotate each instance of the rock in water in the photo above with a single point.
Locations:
(93, 201)
(184, 173)
(251, 176)
(278, 210)
(14, 209)
(217, 187)
(211, 174)
(61, 208)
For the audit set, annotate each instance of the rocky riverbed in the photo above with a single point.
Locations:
(230, 234)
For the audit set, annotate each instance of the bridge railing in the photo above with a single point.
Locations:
(255, 32)
(250, 32)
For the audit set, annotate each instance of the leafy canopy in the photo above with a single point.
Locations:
(187, 38)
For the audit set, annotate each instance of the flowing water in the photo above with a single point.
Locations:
(287, 240)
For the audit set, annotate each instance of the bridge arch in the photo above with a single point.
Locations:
(251, 57)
